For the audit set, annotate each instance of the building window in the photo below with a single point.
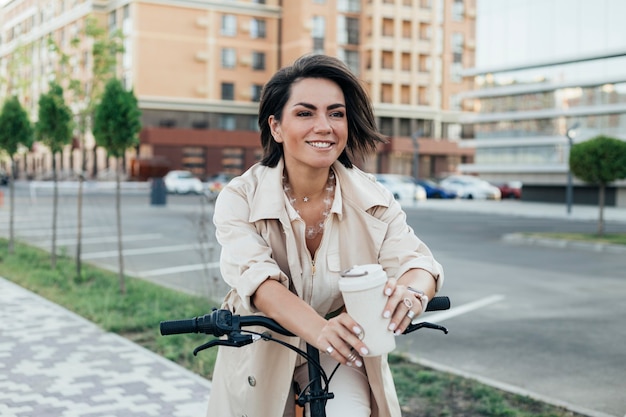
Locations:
(112, 21)
(350, 6)
(457, 58)
(258, 61)
(319, 29)
(229, 57)
(426, 31)
(255, 92)
(386, 93)
(228, 91)
(388, 27)
(232, 159)
(352, 60)
(257, 28)
(227, 122)
(458, 10)
(194, 160)
(229, 25)
(387, 61)
(386, 126)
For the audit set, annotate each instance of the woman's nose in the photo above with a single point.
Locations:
(322, 125)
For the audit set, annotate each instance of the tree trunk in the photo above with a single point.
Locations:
(11, 247)
(79, 225)
(601, 206)
(119, 229)
(55, 201)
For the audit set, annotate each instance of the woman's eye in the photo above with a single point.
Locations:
(304, 113)
(337, 114)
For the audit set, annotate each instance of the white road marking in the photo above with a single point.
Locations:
(110, 239)
(60, 231)
(178, 269)
(463, 309)
(140, 251)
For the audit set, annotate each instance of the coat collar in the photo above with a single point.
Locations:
(268, 201)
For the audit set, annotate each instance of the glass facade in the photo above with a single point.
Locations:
(541, 67)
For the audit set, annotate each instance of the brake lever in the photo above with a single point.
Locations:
(235, 339)
(427, 325)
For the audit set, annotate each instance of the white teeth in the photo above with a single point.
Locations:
(320, 144)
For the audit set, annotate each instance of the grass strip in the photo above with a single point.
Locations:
(613, 238)
(136, 315)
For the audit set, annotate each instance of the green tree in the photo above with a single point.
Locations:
(105, 45)
(599, 161)
(15, 130)
(54, 129)
(116, 125)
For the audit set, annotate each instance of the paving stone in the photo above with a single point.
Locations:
(55, 363)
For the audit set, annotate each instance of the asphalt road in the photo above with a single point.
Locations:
(538, 320)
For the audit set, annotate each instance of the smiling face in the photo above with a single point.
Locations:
(313, 128)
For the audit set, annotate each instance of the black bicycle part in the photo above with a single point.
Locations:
(222, 322)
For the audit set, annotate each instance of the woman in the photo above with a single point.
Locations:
(290, 224)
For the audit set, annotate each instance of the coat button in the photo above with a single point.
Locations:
(251, 381)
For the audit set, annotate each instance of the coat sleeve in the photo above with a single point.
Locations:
(246, 258)
(402, 250)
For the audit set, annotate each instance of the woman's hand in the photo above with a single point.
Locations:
(341, 339)
(404, 303)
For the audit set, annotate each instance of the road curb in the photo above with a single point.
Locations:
(522, 239)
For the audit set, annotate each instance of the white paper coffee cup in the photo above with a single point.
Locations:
(362, 287)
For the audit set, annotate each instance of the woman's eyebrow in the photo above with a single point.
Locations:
(312, 107)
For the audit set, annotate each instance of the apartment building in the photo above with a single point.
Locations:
(198, 67)
(543, 67)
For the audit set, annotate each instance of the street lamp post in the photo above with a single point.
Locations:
(569, 193)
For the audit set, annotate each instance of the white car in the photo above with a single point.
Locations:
(182, 182)
(402, 187)
(469, 187)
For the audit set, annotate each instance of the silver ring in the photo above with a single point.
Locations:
(410, 314)
(330, 350)
(352, 357)
(408, 303)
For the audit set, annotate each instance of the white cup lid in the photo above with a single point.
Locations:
(362, 277)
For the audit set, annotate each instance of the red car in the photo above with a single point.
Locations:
(510, 189)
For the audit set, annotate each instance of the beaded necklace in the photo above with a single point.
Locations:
(312, 231)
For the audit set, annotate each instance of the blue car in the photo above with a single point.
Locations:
(434, 190)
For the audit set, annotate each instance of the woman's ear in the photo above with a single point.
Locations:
(275, 129)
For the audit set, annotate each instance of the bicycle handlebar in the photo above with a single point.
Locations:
(222, 322)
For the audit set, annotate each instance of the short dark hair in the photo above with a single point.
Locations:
(362, 133)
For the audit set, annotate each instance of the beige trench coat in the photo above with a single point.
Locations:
(250, 216)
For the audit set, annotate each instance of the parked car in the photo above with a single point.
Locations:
(182, 182)
(402, 187)
(510, 189)
(216, 182)
(469, 187)
(434, 190)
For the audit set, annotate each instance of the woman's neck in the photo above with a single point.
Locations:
(306, 185)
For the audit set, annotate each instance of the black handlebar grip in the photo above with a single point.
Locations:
(179, 326)
(438, 303)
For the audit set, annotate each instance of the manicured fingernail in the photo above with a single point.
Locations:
(357, 330)
(358, 363)
(397, 333)
(364, 351)
(387, 314)
(387, 291)
(392, 326)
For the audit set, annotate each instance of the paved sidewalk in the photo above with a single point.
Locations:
(55, 363)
